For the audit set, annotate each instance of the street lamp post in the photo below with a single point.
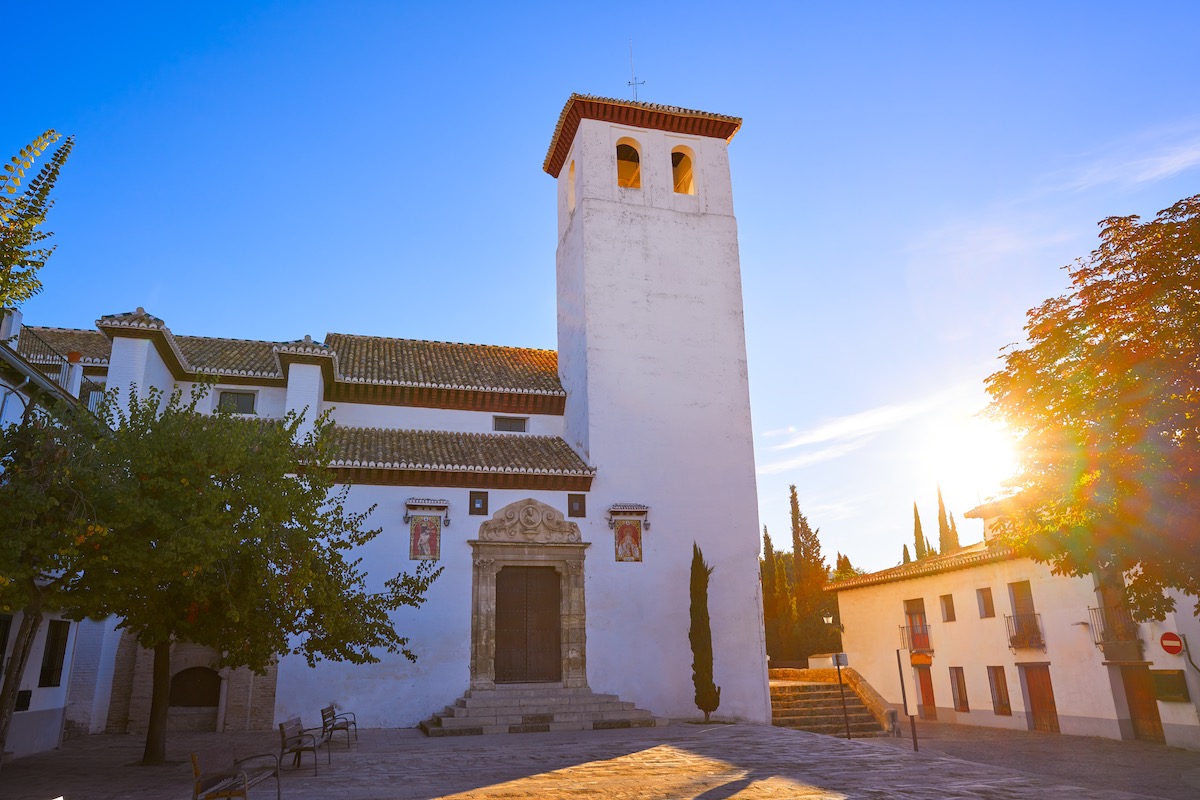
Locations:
(837, 660)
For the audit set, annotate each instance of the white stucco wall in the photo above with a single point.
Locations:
(40, 727)
(652, 354)
(1088, 695)
(364, 415)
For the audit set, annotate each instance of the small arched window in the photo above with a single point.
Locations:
(681, 171)
(629, 164)
(571, 189)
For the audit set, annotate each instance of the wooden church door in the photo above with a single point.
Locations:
(528, 625)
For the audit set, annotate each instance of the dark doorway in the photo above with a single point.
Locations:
(1042, 710)
(1143, 704)
(528, 624)
(926, 707)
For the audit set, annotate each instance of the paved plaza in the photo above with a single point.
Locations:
(710, 762)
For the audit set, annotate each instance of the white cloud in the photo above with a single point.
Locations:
(1148, 157)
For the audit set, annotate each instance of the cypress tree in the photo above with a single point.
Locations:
(918, 535)
(947, 535)
(954, 530)
(907, 557)
(708, 694)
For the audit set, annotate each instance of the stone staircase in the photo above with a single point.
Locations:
(817, 708)
(533, 708)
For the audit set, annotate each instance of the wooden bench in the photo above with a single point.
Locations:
(236, 781)
(332, 722)
(294, 738)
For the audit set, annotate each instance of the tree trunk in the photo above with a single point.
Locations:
(31, 620)
(160, 700)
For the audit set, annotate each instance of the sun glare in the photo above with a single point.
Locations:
(970, 457)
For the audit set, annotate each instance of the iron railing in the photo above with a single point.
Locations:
(1113, 624)
(1025, 630)
(915, 637)
(55, 366)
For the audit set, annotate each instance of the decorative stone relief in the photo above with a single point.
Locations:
(529, 521)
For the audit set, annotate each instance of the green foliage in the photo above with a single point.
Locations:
(907, 558)
(947, 536)
(708, 694)
(1106, 399)
(22, 242)
(227, 533)
(918, 535)
(779, 611)
(845, 570)
(48, 524)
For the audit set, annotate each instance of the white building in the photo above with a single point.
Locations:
(980, 636)
(70, 663)
(570, 483)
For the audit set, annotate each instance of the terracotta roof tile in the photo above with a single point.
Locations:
(962, 558)
(93, 345)
(209, 355)
(408, 362)
(457, 452)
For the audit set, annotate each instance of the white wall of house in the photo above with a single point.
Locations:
(1087, 694)
(364, 415)
(40, 726)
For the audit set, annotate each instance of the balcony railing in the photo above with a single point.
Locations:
(1116, 633)
(1025, 630)
(915, 638)
(57, 367)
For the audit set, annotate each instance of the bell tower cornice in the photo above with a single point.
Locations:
(634, 113)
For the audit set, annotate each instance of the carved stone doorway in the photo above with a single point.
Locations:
(528, 534)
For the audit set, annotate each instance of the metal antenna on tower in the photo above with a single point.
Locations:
(632, 73)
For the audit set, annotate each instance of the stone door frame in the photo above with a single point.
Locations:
(528, 533)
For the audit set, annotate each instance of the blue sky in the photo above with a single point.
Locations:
(908, 181)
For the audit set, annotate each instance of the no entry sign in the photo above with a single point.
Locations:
(1171, 643)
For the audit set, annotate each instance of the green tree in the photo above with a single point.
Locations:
(48, 477)
(228, 533)
(947, 536)
(708, 694)
(918, 535)
(845, 570)
(811, 575)
(778, 614)
(23, 249)
(907, 558)
(1105, 397)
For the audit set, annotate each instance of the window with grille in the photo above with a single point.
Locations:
(478, 505)
(55, 653)
(999, 686)
(958, 687)
(236, 402)
(510, 424)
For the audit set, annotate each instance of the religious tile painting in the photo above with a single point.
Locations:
(628, 539)
(425, 537)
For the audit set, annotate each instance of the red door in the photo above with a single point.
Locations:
(1041, 697)
(926, 707)
(1143, 705)
(528, 625)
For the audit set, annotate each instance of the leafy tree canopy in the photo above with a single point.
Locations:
(23, 249)
(227, 533)
(1106, 399)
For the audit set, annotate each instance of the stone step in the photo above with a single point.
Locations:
(839, 729)
(535, 708)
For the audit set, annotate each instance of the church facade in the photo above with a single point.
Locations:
(560, 492)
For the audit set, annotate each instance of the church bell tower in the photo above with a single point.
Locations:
(652, 355)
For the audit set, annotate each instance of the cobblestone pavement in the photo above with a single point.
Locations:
(680, 761)
(1130, 766)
